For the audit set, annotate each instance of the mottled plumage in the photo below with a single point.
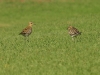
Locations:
(27, 31)
(73, 32)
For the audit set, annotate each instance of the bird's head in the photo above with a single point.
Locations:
(70, 27)
(30, 24)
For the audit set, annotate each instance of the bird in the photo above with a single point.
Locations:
(73, 32)
(27, 31)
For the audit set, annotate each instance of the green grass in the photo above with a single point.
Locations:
(51, 50)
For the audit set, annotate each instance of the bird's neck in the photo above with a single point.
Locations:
(30, 25)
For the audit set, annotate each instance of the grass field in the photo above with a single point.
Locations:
(51, 50)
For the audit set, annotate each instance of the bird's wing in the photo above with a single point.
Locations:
(26, 30)
(76, 31)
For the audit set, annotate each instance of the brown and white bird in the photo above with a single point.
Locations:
(27, 31)
(73, 32)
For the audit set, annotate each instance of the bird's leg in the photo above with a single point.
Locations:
(28, 38)
(25, 38)
(72, 38)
